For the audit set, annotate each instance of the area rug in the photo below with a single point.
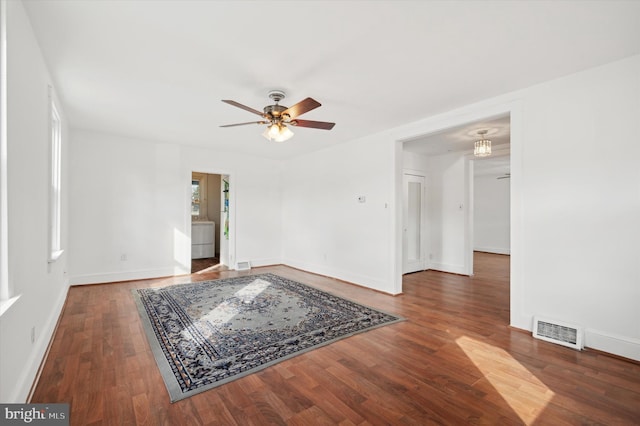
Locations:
(206, 334)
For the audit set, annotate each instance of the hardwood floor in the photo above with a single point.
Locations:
(206, 265)
(454, 361)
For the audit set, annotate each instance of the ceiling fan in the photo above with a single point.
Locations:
(277, 116)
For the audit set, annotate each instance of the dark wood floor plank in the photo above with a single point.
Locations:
(454, 360)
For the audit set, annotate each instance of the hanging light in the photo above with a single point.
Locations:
(482, 147)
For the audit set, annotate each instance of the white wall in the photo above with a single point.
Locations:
(581, 204)
(127, 200)
(446, 209)
(574, 210)
(415, 162)
(491, 214)
(132, 197)
(42, 287)
(575, 200)
(446, 191)
(326, 229)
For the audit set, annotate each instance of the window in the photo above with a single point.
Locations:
(198, 196)
(195, 197)
(55, 249)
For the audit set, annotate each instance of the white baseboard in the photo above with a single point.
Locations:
(495, 250)
(444, 267)
(30, 373)
(110, 277)
(626, 347)
(256, 263)
(618, 345)
(374, 283)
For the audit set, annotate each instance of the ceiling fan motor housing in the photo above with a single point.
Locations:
(274, 110)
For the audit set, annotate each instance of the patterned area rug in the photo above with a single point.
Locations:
(208, 333)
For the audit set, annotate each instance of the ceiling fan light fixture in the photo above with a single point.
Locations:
(266, 134)
(285, 134)
(274, 131)
(277, 132)
(482, 147)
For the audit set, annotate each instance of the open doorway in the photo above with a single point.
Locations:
(209, 222)
(459, 184)
(491, 204)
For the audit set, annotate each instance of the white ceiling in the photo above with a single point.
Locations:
(158, 69)
(461, 138)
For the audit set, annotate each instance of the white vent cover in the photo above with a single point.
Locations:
(243, 266)
(558, 332)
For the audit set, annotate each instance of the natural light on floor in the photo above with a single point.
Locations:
(210, 269)
(526, 395)
(227, 310)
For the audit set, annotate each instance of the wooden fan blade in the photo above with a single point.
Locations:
(301, 107)
(313, 124)
(244, 124)
(244, 107)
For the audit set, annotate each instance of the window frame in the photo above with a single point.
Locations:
(202, 202)
(55, 180)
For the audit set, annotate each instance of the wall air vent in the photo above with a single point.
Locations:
(243, 266)
(558, 332)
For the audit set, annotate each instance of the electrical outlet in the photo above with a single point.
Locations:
(123, 257)
(33, 334)
(362, 199)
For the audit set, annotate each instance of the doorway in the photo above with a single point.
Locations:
(491, 205)
(450, 203)
(209, 221)
(446, 157)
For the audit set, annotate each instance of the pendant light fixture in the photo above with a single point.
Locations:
(482, 147)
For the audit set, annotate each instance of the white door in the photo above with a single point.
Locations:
(413, 238)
